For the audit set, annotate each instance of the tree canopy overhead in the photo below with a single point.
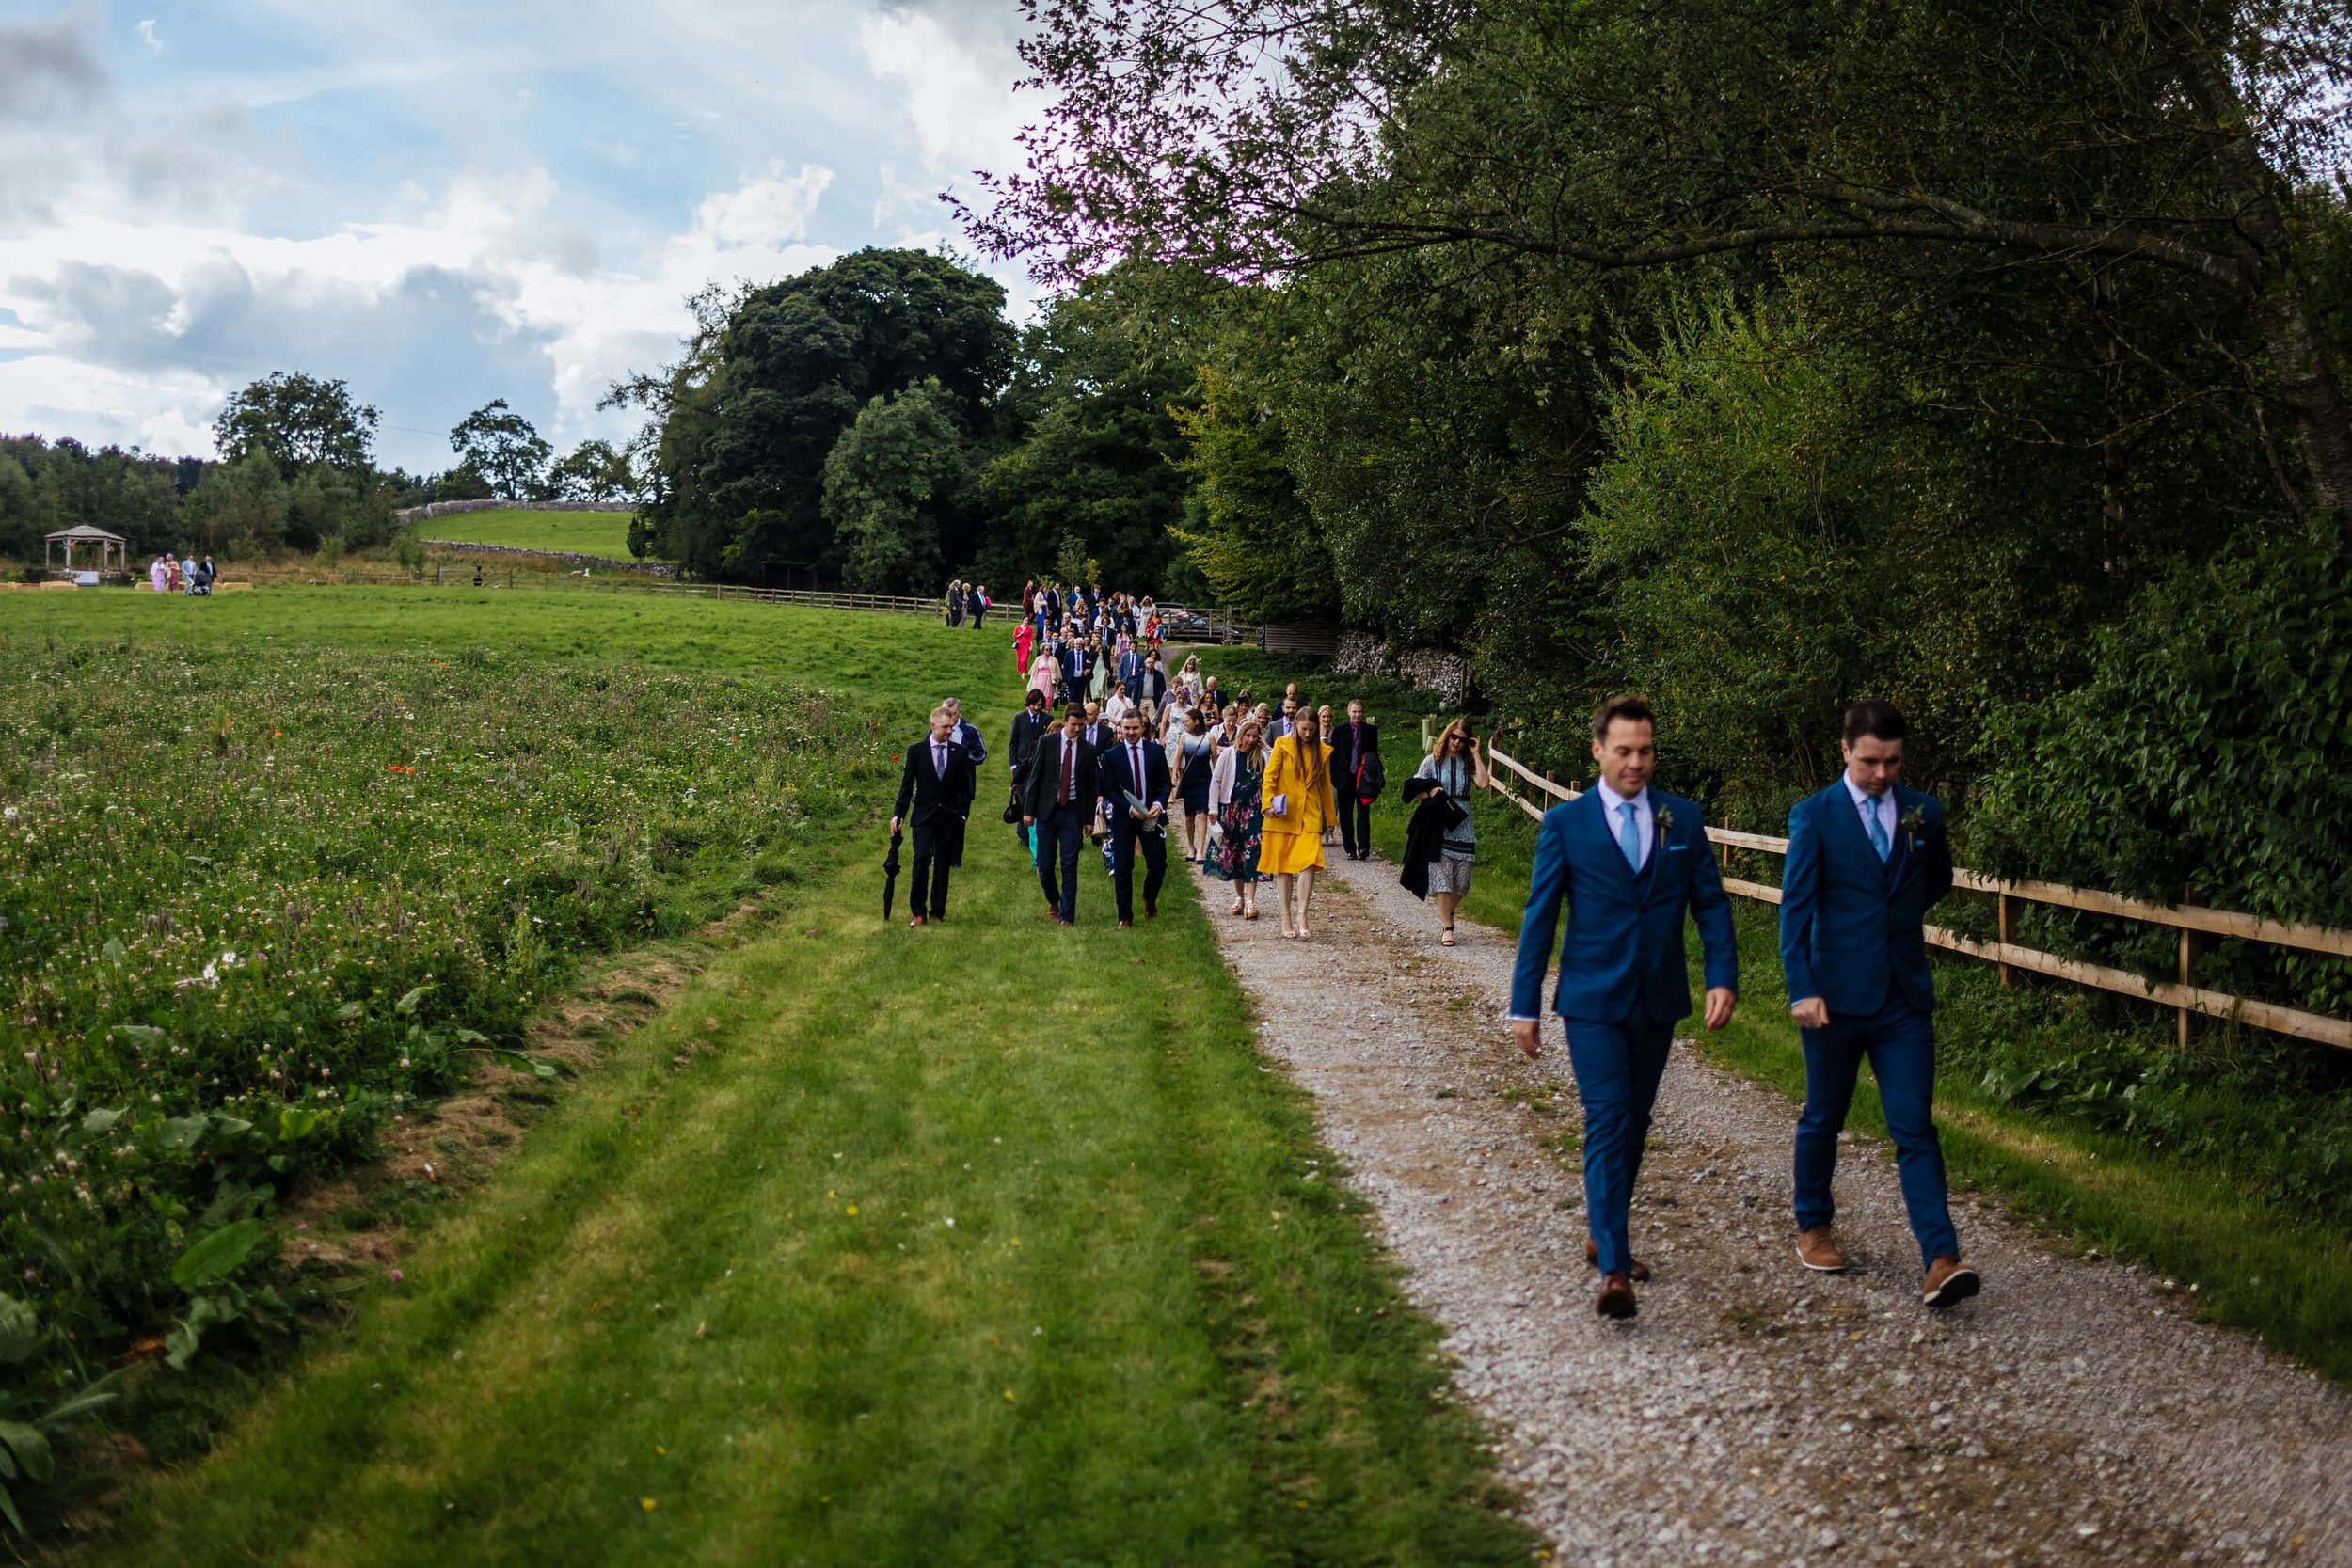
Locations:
(2071, 141)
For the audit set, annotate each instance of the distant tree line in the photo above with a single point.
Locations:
(298, 471)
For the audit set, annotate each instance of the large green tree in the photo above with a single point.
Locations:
(891, 479)
(772, 377)
(1096, 455)
(504, 449)
(298, 419)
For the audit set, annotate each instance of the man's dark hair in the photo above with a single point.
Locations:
(1876, 718)
(1036, 698)
(1073, 710)
(1632, 707)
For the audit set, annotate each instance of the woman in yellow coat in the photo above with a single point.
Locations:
(1298, 779)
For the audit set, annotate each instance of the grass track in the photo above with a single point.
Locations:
(1157, 1331)
(601, 533)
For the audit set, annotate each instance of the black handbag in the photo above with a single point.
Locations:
(1013, 810)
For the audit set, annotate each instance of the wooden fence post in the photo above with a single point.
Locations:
(2008, 935)
(2190, 948)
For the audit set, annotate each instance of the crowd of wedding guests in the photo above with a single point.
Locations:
(1113, 749)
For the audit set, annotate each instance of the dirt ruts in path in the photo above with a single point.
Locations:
(1755, 1413)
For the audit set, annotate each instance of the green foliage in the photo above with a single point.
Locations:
(592, 471)
(1246, 526)
(240, 508)
(27, 1419)
(2209, 752)
(501, 445)
(300, 421)
(775, 374)
(1096, 449)
(409, 550)
(356, 872)
(889, 479)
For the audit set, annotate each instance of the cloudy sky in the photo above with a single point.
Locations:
(443, 203)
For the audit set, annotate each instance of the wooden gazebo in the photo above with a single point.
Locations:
(114, 551)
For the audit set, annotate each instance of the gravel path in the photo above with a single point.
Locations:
(1755, 1413)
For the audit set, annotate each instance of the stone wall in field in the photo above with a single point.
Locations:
(651, 568)
(1427, 669)
(452, 509)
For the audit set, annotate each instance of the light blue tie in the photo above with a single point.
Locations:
(1879, 840)
(1630, 838)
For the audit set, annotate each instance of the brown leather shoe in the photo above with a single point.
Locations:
(1616, 1297)
(1817, 1249)
(1949, 1283)
(1124, 924)
(1639, 1274)
(916, 921)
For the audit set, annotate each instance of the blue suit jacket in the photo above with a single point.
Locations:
(1112, 779)
(1624, 959)
(1849, 923)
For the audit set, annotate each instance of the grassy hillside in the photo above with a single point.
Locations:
(604, 533)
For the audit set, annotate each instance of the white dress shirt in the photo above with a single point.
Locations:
(1881, 806)
(1613, 804)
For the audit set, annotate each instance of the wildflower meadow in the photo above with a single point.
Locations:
(256, 899)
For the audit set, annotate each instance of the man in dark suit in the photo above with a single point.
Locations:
(1630, 862)
(1077, 663)
(1029, 727)
(1130, 670)
(1153, 687)
(937, 783)
(1868, 859)
(1057, 797)
(1356, 774)
(1136, 765)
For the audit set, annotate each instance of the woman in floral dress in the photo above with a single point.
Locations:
(1237, 809)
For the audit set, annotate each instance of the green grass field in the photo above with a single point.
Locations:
(601, 533)
(713, 1309)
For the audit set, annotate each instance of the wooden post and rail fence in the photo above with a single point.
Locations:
(2192, 921)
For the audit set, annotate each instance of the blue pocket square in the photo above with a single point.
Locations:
(1675, 849)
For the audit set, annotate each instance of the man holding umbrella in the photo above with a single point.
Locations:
(938, 784)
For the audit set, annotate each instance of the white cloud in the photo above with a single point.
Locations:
(445, 203)
(468, 302)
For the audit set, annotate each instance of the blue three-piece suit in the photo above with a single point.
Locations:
(1853, 904)
(1624, 978)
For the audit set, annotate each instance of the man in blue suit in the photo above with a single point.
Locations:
(1866, 859)
(1630, 862)
(1136, 765)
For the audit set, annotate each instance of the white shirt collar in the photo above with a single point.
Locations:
(1863, 799)
(1612, 799)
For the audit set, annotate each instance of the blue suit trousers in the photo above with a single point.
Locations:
(1617, 1068)
(1900, 1040)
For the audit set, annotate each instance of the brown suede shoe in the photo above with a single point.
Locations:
(1616, 1297)
(1638, 1273)
(1817, 1249)
(1949, 1283)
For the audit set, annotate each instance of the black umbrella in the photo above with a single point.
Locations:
(890, 873)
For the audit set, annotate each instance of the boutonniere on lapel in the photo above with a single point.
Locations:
(1666, 820)
(1914, 826)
